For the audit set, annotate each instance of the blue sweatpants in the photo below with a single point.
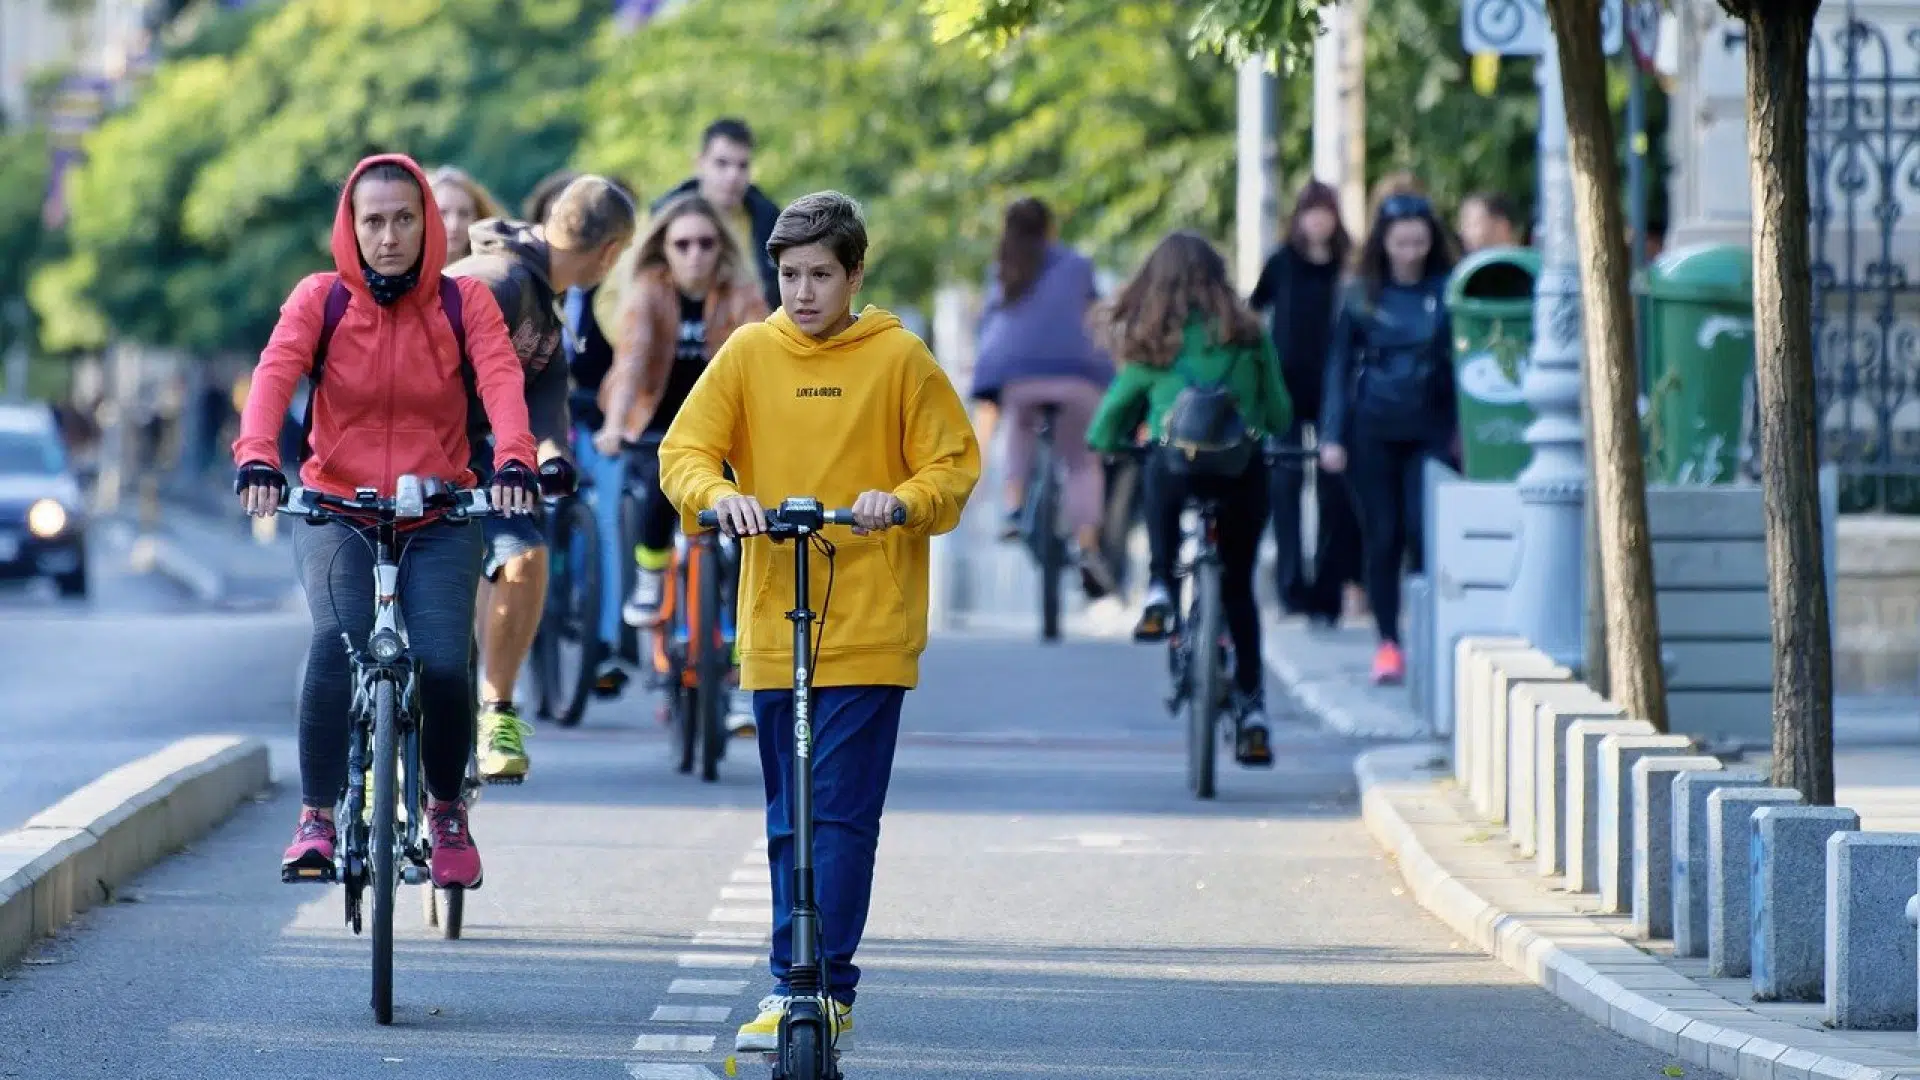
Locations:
(855, 730)
(609, 478)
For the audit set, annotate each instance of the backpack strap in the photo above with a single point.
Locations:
(338, 297)
(453, 306)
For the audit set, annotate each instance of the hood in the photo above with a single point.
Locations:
(24, 488)
(346, 247)
(872, 322)
(515, 240)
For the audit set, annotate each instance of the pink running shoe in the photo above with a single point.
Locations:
(310, 856)
(455, 861)
(1389, 666)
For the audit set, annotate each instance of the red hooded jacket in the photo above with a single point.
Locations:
(393, 401)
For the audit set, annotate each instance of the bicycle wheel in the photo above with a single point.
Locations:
(1203, 654)
(386, 867)
(711, 708)
(572, 619)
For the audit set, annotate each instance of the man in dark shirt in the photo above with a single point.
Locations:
(526, 267)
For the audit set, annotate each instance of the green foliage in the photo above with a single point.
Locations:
(24, 162)
(203, 203)
(1281, 30)
(1111, 119)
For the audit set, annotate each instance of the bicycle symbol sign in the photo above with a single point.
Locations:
(1519, 27)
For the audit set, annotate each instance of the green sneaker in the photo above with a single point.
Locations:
(503, 748)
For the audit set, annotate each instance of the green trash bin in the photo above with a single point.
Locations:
(1699, 304)
(1490, 297)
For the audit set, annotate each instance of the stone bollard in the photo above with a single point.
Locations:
(1485, 671)
(1618, 753)
(1581, 828)
(1466, 653)
(1690, 877)
(1870, 954)
(1789, 867)
(1552, 778)
(1508, 671)
(1730, 876)
(1526, 767)
(1654, 812)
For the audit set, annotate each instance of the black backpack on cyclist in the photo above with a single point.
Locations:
(1203, 433)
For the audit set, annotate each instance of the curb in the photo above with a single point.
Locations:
(71, 856)
(171, 560)
(1333, 714)
(1530, 945)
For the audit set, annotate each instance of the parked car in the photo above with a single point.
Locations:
(43, 530)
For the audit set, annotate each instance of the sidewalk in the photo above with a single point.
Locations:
(1461, 870)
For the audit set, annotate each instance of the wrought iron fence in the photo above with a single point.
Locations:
(1863, 136)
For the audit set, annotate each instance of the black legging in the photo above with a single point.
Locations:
(1384, 476)
(1243, 514)
(439, 573)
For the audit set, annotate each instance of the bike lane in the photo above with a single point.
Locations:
(1050, 902)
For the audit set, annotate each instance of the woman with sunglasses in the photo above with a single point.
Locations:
(687, 286)
(1390, 398)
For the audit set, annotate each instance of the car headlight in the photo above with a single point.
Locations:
(46, 518)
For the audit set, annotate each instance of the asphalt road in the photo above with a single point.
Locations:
(1050, 902)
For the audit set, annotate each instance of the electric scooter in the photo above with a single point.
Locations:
(806, 1040)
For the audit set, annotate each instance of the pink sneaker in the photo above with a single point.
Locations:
(455, 861)
(1389, 667)
(310, 856)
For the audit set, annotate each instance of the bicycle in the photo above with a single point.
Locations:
(1200, 684)
(564, 660)
(697, 634)
(806, 1041)
(386, 845)
(1040, 523)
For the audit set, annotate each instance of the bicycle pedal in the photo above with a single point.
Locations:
(508, 781)
(308, 873)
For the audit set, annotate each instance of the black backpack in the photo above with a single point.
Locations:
(1203, 433)
(338, 297)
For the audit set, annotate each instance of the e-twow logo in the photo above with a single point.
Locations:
(817, 391)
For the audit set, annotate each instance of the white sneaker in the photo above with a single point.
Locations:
(649, 592)
(740, 722)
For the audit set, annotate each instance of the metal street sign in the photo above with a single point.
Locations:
(1519, 27)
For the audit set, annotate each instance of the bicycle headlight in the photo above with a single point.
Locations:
(46, 518)
(385, 646)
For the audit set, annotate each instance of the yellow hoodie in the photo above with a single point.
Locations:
(797, 416)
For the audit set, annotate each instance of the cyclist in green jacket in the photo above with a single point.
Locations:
(1179, 323)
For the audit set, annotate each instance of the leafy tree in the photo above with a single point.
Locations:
(24, 164)
(1234, 29)
(202, 203)
(1113, 121)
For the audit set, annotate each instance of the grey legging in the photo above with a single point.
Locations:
(439, 572)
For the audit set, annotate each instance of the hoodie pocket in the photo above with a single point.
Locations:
(858, 593)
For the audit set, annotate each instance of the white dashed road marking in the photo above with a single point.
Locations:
(735, 939)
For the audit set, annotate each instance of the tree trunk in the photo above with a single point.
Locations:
(1619, 484)
(1779, 34)
(1595, 633)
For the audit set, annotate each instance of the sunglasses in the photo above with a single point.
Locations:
(1399, 207)
(704, 243)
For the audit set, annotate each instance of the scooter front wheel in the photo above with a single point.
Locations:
(804, 1056)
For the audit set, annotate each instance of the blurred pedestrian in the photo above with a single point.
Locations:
(1297, 290)
(1488, 220)
(1035, 352)
(463, 201)
(1389, 404)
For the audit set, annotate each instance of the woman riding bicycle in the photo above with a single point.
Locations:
(1035, 351)
(1180, 331)
(691, 287)
(392, 402)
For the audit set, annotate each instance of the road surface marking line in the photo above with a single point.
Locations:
(746, 892)
(691, 1014)
(716, 960)
(680, 1071)
(731, 937)
(752, 875)
(739, 915)
(708, 987)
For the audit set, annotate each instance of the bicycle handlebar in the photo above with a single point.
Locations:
(319, 506)
(796, 515)
(1270, 454)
